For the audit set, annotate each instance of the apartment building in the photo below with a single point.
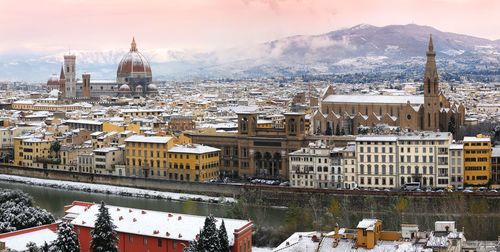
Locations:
(315, 167)
(105, 160)
(29, 151)
(376, 158)
(193, 162)
(457, 164)
(495, 164)
(146, 156)
(424, 158)
(477, 160)
(349, 166)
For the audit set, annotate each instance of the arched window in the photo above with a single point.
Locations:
(428, 85)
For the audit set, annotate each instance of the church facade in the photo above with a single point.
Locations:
(430, 112)
(133, 78)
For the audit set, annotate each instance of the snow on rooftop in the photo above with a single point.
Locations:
(148, 139)
(156, 224)
(368, 224)
(476, 139)
(83, 121)
(387, 99)
(39, 237)
(192, 149)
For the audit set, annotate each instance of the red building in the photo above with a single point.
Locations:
(17, 240)
(153, 231)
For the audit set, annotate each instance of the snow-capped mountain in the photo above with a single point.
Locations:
(362, 48)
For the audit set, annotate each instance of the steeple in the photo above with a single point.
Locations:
(430, 49)
(133, 47)
(61, 75)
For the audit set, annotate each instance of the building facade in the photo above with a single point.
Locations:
(193, 162)
(254, 151)
(477, 160)
(348, 113)
(457, 165)
(147, 156)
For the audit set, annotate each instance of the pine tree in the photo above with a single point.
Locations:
(209, 239)
(31, 247)
(329, 130)
(104, 236)
(342, 132)
(337, 130)
(67, 240)
(452, 126)
(223, 239)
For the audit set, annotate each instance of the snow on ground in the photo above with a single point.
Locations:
(109, 189)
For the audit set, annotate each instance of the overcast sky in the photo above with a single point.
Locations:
(52, 25)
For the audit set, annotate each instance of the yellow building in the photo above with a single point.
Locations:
(120, 127)
(477, 160)
(369, 231)
(30, 151)
(147, 156)
(193, 162)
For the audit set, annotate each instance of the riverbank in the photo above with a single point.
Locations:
(116, 190)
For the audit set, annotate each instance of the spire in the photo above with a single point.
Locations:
(133, 47)
(430, 48)
(61, 75)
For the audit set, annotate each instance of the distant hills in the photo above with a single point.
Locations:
(398, 49)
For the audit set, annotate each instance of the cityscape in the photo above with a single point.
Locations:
(283, 126)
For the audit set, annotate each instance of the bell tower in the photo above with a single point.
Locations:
(431, 91)
(69, 73)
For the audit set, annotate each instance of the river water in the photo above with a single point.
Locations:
(54, 200)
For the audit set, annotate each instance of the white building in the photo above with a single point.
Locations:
(457, 165)
(311, 167)
(105, 160)
(376, 161)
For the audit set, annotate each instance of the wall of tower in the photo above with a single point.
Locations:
(70, 74)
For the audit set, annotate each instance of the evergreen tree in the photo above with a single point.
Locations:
(342, 132)
(209, 239)
(337, 130)
(452, 126)
(31, 247)
(67, 240)
(104, 236)
(329, 130)
(223, 239)
(45, 247)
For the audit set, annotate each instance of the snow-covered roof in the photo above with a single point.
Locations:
(148, 139)
(83, 121)
(375, 138)
(157, 224)
(368, 224)
(39, 237)
(476, 139)
(192, 149)
(386, 99)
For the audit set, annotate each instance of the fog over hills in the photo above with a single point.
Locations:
(362, 48)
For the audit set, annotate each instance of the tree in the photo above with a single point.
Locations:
(55, 147)
(67, 240)
(32, 247)
(337, 130)
(209, 239)
(342, 132)
(223, 239)
(329, 130)
(452, 125)
(104, 236)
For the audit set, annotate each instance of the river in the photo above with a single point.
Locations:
(54, 200)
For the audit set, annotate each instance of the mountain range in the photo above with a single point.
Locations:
(360, 49)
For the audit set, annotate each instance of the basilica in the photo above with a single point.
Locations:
(133, 78)
(430, 112)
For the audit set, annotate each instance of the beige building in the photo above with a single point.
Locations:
(376, 158)
(310, 167)
(105, 160)
(457, 165)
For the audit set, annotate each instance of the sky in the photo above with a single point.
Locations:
(54, 25)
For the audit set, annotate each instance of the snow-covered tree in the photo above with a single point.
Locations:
(104, 236)
(17, 212)
(209, 235)
(223, 239)
(32, 247)
(67, 240)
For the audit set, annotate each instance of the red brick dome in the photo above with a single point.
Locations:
(134, 64)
